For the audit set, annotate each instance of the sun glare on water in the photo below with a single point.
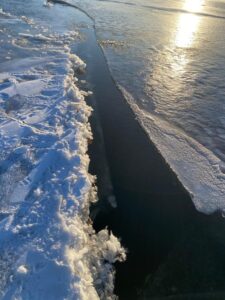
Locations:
(193, 5)
(188, 23)
(171, 77)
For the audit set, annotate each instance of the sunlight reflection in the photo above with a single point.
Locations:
(193, 5)
(170, 72)
(177, 63)
(188, 23)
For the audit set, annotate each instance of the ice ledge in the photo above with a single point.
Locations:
(197, 168)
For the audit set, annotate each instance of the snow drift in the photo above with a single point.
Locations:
(48, 248)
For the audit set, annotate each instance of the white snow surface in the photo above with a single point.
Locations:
(48, 248)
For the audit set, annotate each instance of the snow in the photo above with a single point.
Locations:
(48, 247)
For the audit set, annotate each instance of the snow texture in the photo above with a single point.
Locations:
(48, 248)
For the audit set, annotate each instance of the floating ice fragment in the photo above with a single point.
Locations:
(22, 269)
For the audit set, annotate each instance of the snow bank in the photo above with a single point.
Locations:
(48, 248)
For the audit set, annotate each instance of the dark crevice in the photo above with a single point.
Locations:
(173, 250)
(166, 238)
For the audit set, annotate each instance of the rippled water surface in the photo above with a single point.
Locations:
(168, 58)
(169, 55)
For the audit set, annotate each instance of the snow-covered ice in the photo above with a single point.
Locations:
(199, 170)
(48, 247)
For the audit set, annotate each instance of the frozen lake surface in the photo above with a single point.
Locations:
(167, 57)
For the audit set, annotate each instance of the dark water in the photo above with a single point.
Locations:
(170, 245)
